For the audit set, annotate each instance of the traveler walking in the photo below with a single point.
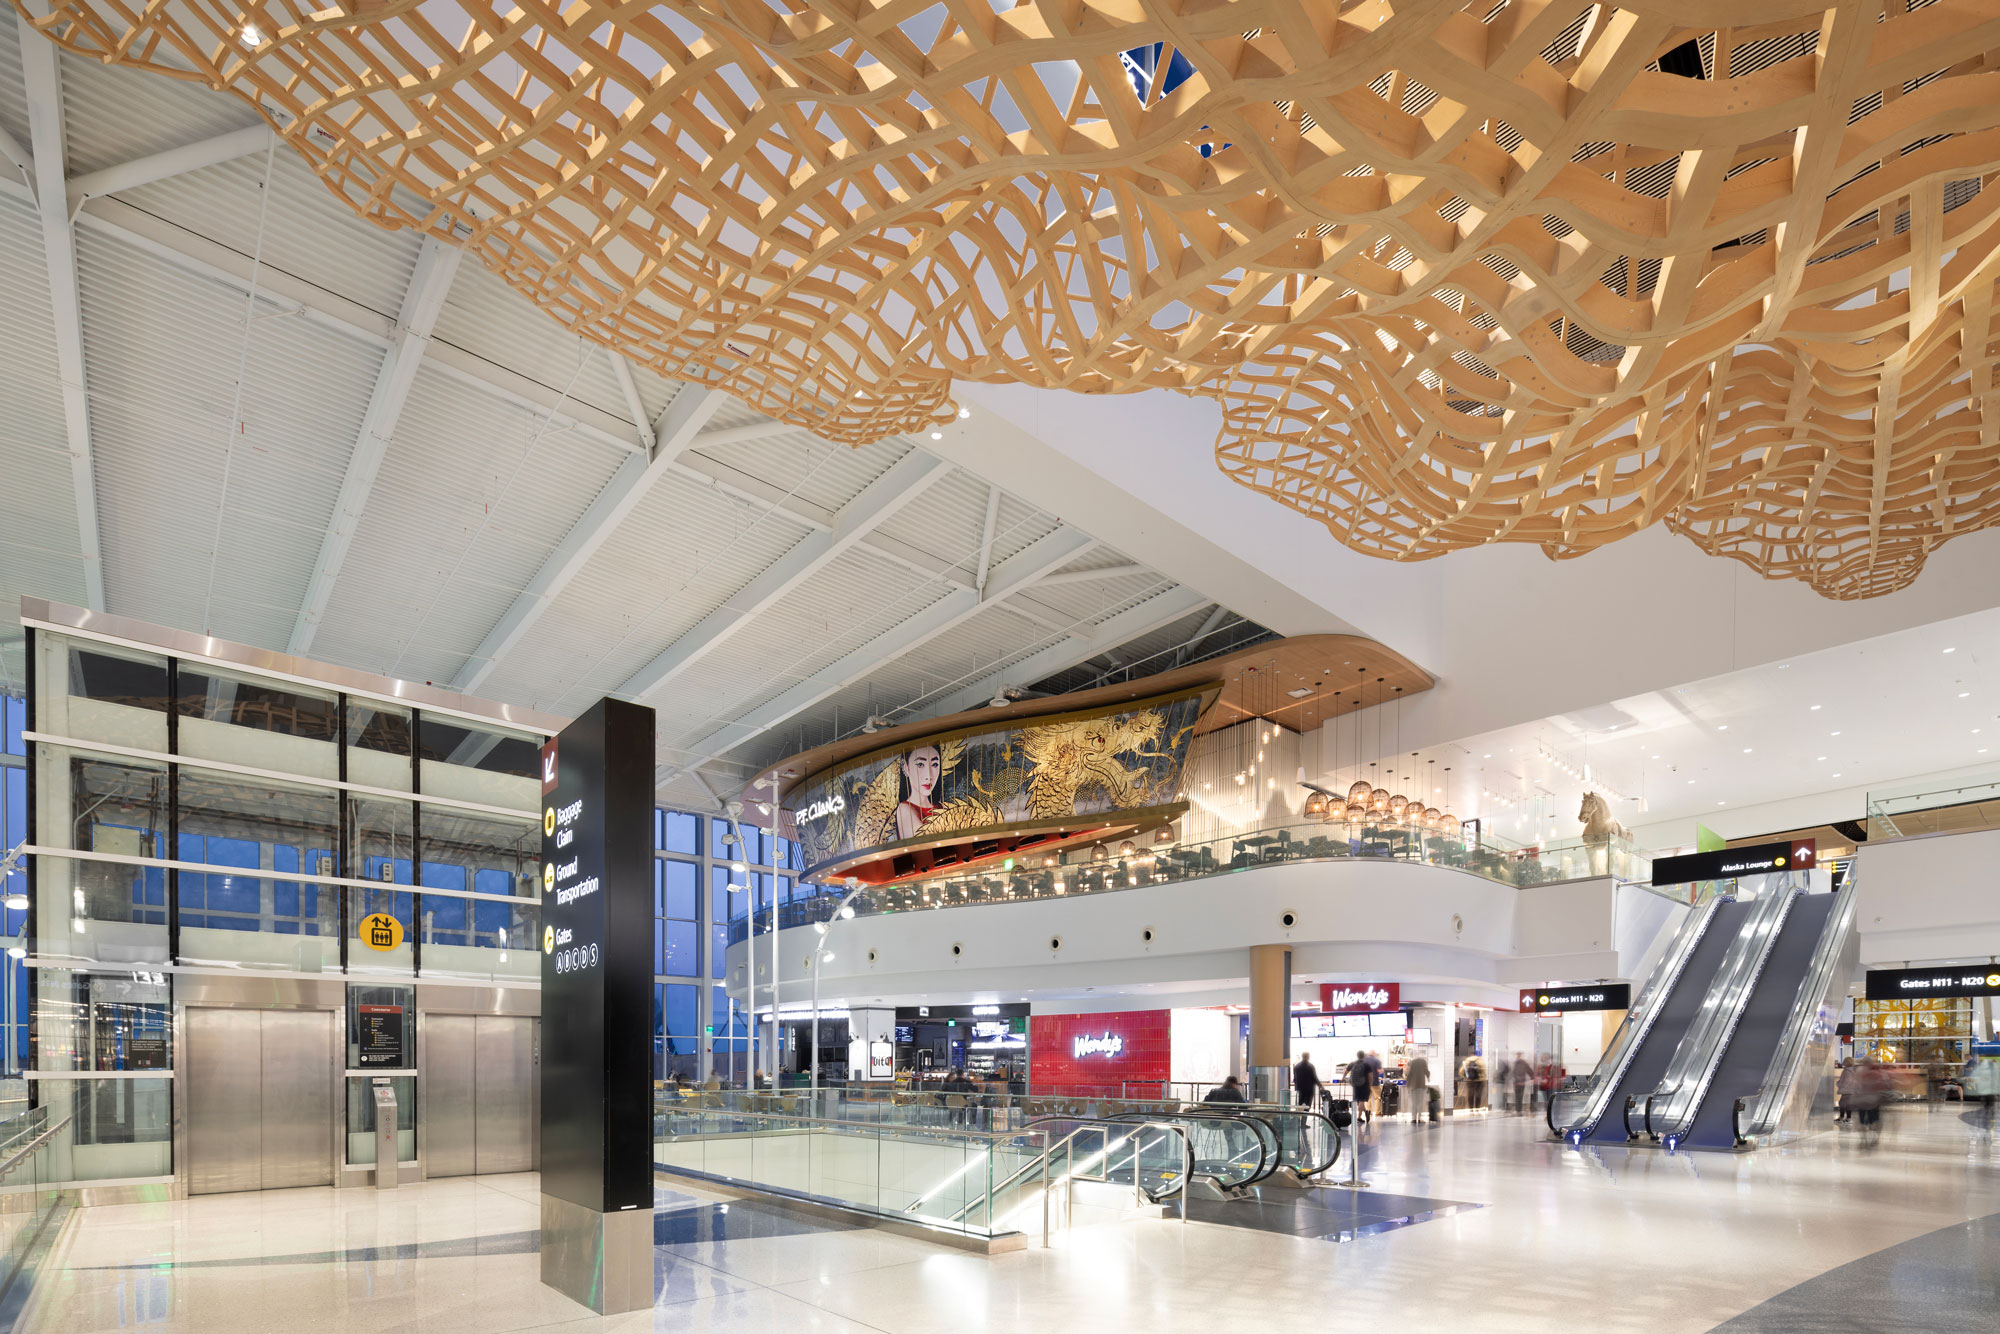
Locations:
(1305, 1080)
(1473, 1071)
(1843, 1093)
(1361, 1083)
(1417, 1087)
(1229, 1090)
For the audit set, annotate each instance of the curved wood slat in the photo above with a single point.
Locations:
(1456, 273)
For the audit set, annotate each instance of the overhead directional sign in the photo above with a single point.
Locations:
(1761, 859)
(1562, 1000)
(1967, 979)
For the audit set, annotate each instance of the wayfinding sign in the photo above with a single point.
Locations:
(1799, 854)
(597, 984)
(1961, 979)
(1562, 1000)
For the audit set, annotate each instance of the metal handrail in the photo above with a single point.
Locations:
(1717, 1044)
(875, 1126)
(1645, 1012)
(1270, 1111)
(33, 1145)
(1138, 1181)
(1268, 1156)
(1798, 1028)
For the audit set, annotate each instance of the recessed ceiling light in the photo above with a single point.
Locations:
(1951, 650)
(1833, 734)
(963, 413)
(1783, 665)
(937, 435)
(1964, 694)
(1690, 782)
(1815, 708)
(1819, 759)
(251, 37)
(1722, 803)
(1836, 775)
(1723, 728)
(1746, 750)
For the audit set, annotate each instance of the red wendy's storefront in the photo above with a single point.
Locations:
(1099, 1055)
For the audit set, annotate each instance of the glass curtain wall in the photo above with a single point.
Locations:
(14, 894)
(194, 814)
(708, 870)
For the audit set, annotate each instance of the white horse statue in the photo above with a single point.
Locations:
(1600, 831)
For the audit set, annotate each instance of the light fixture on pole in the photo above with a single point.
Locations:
(821, 955)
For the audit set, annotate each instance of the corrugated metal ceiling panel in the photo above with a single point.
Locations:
(113, 118)
(162, 351)
(473, 494)
(307, 232)
(39, 549)
(486, 317)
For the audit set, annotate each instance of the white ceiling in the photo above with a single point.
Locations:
(1772, 747)
(513, 539)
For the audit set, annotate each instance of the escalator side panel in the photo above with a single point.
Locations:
(1649, 1063)
(1748, 1055)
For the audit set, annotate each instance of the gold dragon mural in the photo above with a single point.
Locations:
(1033, 774)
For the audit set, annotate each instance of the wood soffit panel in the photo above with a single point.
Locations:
(1455, 273)
(1337, 673)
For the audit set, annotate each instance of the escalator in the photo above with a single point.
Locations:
(1645, 1044)
(1743, 1063)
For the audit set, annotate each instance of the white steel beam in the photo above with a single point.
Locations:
(633, 403)
(1047, 553)
(423, 299)
(680, 427)
(986, 537)
(158, 166)
(1082, 646)
(1092, 576)
(42, 82)
(912, 475)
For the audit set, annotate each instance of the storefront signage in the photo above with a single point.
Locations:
(1762, 859)
(1103, 1044)
(1561, 1000)
(1970, 979)
(379, 1036)
(597, 967)
(380, 931)
(980, 784)
(1359, 997)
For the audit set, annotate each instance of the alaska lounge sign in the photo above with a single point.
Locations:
(1562, 1000)
(1729, 863)
(1919, 983)
(1359, 997)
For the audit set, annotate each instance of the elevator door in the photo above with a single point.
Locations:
(478, 1096)
(260, 1099)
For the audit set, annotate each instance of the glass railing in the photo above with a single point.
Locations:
(1806, 1047)
(1935, 808)
(29, 1199)
(1592, 1099)
(1672, 1106)
(1100, 870)
(944, 1176)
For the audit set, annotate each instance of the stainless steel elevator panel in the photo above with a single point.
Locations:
(298, 1098)
(225, 1100)
(503, 1121)
(446, 1102)
(260, 1091)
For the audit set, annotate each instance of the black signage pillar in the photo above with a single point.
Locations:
(597, 1008)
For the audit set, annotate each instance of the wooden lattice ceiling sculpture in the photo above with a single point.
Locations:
(1456, 273)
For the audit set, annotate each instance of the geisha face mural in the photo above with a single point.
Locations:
(1036, 773)
(921, 769)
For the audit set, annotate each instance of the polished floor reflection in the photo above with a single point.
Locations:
(1477, 1224)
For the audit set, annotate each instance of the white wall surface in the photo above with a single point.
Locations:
(1201, 1045)
(1512, 635)
(1929, 898)
(1447, 935)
